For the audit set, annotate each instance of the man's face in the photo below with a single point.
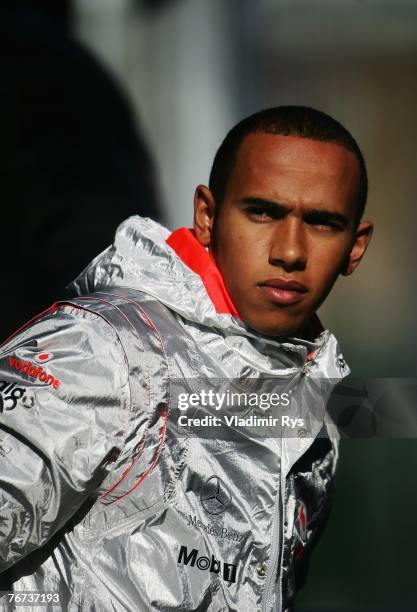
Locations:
(286, 229)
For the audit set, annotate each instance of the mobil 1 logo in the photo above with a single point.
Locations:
(192, 558)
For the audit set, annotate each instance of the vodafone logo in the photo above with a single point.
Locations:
(34, 371)
(43, 357)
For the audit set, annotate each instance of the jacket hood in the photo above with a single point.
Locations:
(140, 258)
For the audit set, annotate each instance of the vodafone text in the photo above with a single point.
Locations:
(34, 371)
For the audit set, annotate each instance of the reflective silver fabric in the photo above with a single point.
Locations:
(100, 501)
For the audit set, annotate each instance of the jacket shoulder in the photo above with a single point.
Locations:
(135, 316)
(70, 356)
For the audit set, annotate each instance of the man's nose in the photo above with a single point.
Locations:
(287, 249)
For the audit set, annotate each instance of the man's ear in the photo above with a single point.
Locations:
(363, 235)
(204, 211)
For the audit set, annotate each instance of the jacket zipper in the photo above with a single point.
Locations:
(275, 551)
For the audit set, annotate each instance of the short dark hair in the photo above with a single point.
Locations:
(301, 121)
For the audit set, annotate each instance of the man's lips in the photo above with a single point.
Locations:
(282, 291)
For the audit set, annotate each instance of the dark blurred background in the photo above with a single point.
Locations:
(170, 78)
(73, 161)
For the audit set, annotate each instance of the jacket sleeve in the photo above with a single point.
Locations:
(64, 402)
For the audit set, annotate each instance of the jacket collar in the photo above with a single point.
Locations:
(194, 255)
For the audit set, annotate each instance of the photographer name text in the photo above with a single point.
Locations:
(235, 421)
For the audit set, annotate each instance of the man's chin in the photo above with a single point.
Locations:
(284, 327)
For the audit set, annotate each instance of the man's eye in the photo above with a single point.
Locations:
(259, 214)
(329, 226)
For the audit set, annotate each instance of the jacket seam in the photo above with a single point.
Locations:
(142, 442)
(155, 459)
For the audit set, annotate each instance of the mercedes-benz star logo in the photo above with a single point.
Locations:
(215, 497)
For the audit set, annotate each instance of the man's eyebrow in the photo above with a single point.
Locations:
(318, 214)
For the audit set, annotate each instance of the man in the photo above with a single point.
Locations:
(105, 504)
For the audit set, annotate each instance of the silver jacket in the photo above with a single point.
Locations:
(102, 503)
